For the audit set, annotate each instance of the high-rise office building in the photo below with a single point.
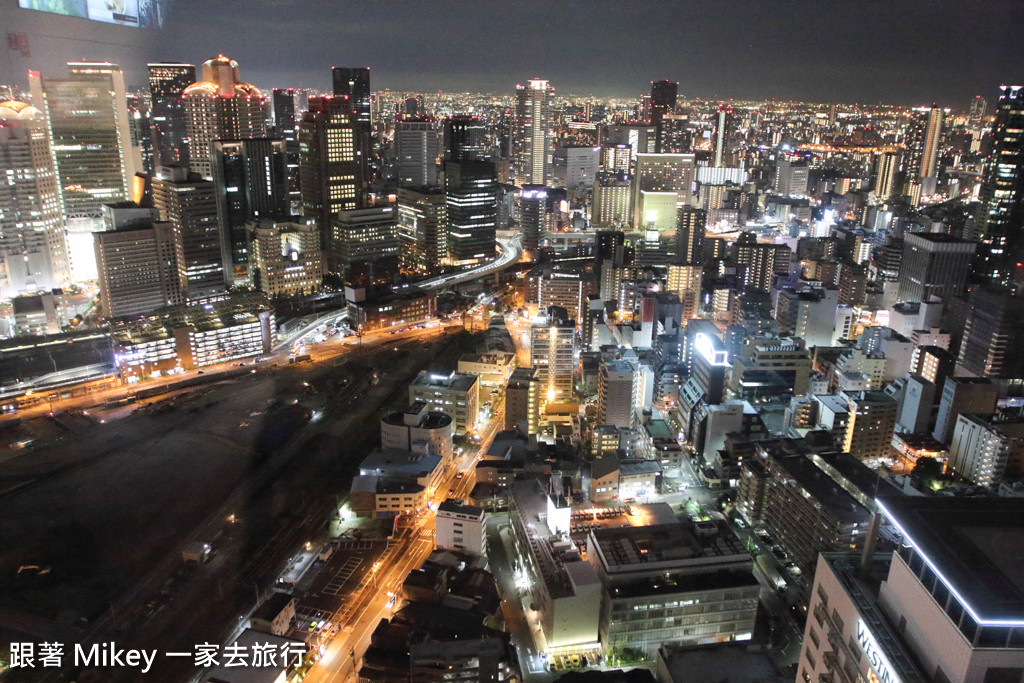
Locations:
(612, 199)
(661, 174)
(286, 128)
(87, 120)
(363, 245)
(988, 348)
(140, 128)
(576, 167)
(999, 220)
(251, 178)
(552, 347)
(791, 177)
(422, 229)
(962, 396)
(352, 85)
(691, 226)
(333, 152)
(221, 107)
(533, 133)
(140, 268)
(167, 83)
(609, 247)
(33, 253)
(465, 138)
(416, 151)
(663, 100)
(533, 202)
(933, 264)
(189, 202)
(471, 189)
(283, 103)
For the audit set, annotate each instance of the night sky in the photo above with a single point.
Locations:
(902, 51)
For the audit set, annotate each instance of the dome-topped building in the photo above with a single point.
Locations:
(221, 107)
(12, 110)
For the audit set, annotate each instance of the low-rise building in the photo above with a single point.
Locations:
(370, 311)
(455, 395)
(565, 591)
(461, 527)
(274, 615)
(494, 368)
(673, 583)
(418, 429)
(194, 336)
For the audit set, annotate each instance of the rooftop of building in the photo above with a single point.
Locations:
(733, 662)
(937, 238)
(452, 381)
(658, 429)
(663, 545)
(456, 507)
(272, 606)
(635, 467)
(823, 489)
(417, 415)
(203, 317)
(393, 460)
(975, 545)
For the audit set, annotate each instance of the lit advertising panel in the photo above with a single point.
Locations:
(135, 13)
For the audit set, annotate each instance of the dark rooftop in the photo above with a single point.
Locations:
(976, 546)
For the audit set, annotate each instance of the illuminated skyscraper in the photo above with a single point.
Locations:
(167, 83)
(671, 175)
(533, 133)
(465, 138)
(691, 226)
(422, 229)
(87, 117)
(190, 203)
(416, 151)
(552, 346)
(33, 254)
(532, 211)
(887, 165)
(332, 162)
(251, 178)
(221, 107)
(471, 189)
(723, 126)
(999, 221)
(352, 85)
(612, 195)
(284, 113)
